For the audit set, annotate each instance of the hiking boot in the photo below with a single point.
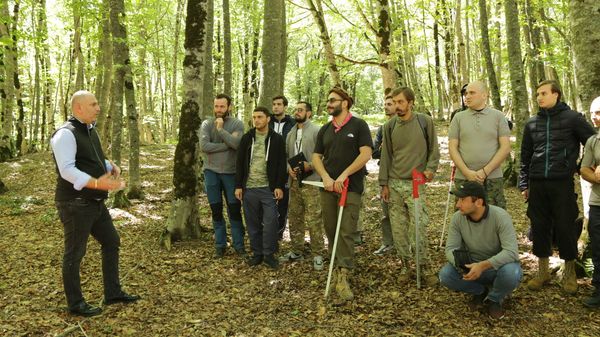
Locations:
(255, 260)
(542, 277)
(342, 287)
(318, 262)
(477, 300)
(271, 261)
(241, 252)
(219, 252)
(291, 257)
(495, 310)
(406, 274)
(359, 239)
(383, 250)
(569, 280)
(593, 301)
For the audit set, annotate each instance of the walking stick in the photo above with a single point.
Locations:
(417, 179)
(341, 204)
(452, 173)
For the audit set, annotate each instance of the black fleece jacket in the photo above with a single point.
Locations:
(550, 145)
(276, 164)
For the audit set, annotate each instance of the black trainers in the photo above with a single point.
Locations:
(495, 310)
(593, 301)
(271, 261)
(219, 252)
(255, 260)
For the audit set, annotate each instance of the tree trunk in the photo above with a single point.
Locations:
(316, 9)
(517, 79)
(283, 48)
(17, 83)
(104, 81)
(208, 87)
(449, 52)
(438, 70)
(183, 221)
(47, 112)
(174, 91)
(271, 52)
(10, 68)
(487, 55)
(77, 54)
(384, 38)
(585, 28)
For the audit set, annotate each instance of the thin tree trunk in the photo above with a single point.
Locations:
(208, 87)
(454, 90)
(283, 48)
(462, 58)
(183, 221)
(9, 71)
(487, 55)
(438, 71)
(77, 54)
(18, 93)
(316, 9)
(175, 64)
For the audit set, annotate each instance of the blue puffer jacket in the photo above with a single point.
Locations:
(550, 146)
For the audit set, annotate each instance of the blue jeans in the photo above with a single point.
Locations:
(594, 232)
(260, 212)
(216, 185)
(80, 218)
(502, 281)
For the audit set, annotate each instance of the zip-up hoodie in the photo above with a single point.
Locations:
(274, 156)
(550, 145)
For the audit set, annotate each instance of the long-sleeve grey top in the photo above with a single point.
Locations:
(220, 146)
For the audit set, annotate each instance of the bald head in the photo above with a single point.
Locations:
(85, 106)
(476, 95)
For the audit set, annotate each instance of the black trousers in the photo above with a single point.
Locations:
(552, 207)
(594, 232)
(80, 218)
(282, 207)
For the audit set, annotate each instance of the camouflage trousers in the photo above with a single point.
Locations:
(402, 218)
(305, 211)
(494, 188)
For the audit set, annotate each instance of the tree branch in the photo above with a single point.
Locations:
(374, 63)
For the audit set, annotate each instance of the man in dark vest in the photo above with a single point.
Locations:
(84, 178)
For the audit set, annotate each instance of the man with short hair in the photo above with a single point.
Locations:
(304, 208)
(486, 235)
(409, 142)
(219, 139)
(387, 241)
(282, 123)
(343, 148)
(590, 171)
(259, 180)
(85, 177)
(549, 152)
(479, 142)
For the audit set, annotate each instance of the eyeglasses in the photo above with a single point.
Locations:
(331, 100)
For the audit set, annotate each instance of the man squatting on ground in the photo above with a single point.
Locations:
(282, 123)
(219, 139)
(343, 148)
(549, 152)
(304, 208)
(590, 171)
(409, 142)
(487, 235)
(479, 142)
(387, 241)
(84, 178)
(259, 180)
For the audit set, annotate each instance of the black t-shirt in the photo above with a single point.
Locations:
(340, 149)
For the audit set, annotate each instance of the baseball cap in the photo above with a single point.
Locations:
(469, 189)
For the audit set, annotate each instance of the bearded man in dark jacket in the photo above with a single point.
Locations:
(549, 152)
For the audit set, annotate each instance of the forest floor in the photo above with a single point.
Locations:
(186, 292)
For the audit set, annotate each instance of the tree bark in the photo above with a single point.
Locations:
(585, 28)
(271, 52)
(517, 78)
(174, 91)
(438, 67)
(77, 54)
(487, 55)
(316, 9)
(183, 221)
(17, 83)
(9, 67)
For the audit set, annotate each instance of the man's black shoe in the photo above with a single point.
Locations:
(255, 260)
(271, 261)
(219, 252)
(593, 301)
(241, 252)
(84, 309)
(123, 298)
(477, 300)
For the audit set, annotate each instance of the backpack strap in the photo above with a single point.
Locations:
(423, 124)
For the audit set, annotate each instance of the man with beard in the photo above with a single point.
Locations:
(303, 204)
(478, 142)
(343, 148)
(282, 123)
(259, 181)
(219, 139)
(549, 152)
(387, 241)
(409, 142)
(486, 235)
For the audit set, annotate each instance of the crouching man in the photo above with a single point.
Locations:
(482, 251)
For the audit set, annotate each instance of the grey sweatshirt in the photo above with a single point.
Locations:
(309, 138)
(493, 238)
(220, 146)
